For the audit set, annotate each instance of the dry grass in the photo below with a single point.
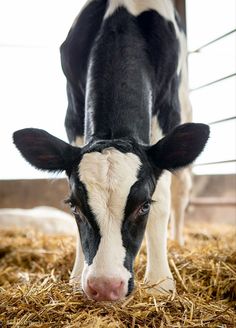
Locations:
(34, 270)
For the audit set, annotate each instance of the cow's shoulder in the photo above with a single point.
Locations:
(164, 49)
(75, 50)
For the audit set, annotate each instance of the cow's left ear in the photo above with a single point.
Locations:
(179, 148)
(44, 151)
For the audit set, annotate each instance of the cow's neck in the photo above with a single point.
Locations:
(119, 88)
(127, 114)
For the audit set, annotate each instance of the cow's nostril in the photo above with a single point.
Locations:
(94, 292)
(92, 289)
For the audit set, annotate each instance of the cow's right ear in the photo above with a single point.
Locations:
(44, 151)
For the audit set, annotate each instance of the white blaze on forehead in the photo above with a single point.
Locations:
(108, 177)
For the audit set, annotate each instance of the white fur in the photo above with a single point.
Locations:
(108, 177)
(185, 105)
(180, 192)
(181, 181)
(78, 142)
(158, 270)
(136, 7)
(89, 126)
(45, 219)
(76, 274)
(156, 132)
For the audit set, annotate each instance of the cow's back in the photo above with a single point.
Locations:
(123, 57)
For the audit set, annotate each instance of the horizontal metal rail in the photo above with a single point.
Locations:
(213, 82)
(223, 120)
(219, 162)
(211, 42)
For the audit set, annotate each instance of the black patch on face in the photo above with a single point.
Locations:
(134, 225)
(130, 285)
(124, 145)
(88, 228)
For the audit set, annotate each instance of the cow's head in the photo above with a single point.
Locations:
(111, 183)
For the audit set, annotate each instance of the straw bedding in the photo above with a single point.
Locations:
(34, 292)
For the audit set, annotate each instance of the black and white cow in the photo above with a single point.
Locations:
(124, 61)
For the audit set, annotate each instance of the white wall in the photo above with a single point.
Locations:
(207, 20)
(32, 85)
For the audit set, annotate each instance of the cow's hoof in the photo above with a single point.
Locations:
(180, 239)
(162, 286)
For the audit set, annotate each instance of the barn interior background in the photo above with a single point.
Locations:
(33, 95)
(34, 269)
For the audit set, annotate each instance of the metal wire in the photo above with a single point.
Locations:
(220, 162)
(213, 82)
(211, 42)
(223, 120)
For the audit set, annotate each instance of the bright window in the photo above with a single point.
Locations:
(33, 92)
(33, 86)
(211, 27)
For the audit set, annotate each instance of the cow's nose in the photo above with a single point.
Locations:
(105, 289)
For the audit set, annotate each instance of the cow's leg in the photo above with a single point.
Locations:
(158, 271)
(75, 277)
(180, 191)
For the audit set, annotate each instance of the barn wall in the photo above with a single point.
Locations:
(213, 197)
(31, 193)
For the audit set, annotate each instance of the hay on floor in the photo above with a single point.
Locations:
(34, 292)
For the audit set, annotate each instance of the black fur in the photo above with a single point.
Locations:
(75, 52)
(133, 228)
(119, 70)
(163, 53)
(180, 147)
(127, 54)
(88, 228)
(44, 151)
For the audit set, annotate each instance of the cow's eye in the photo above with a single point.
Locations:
(144, 209)
(75, 209)
(80, 217)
